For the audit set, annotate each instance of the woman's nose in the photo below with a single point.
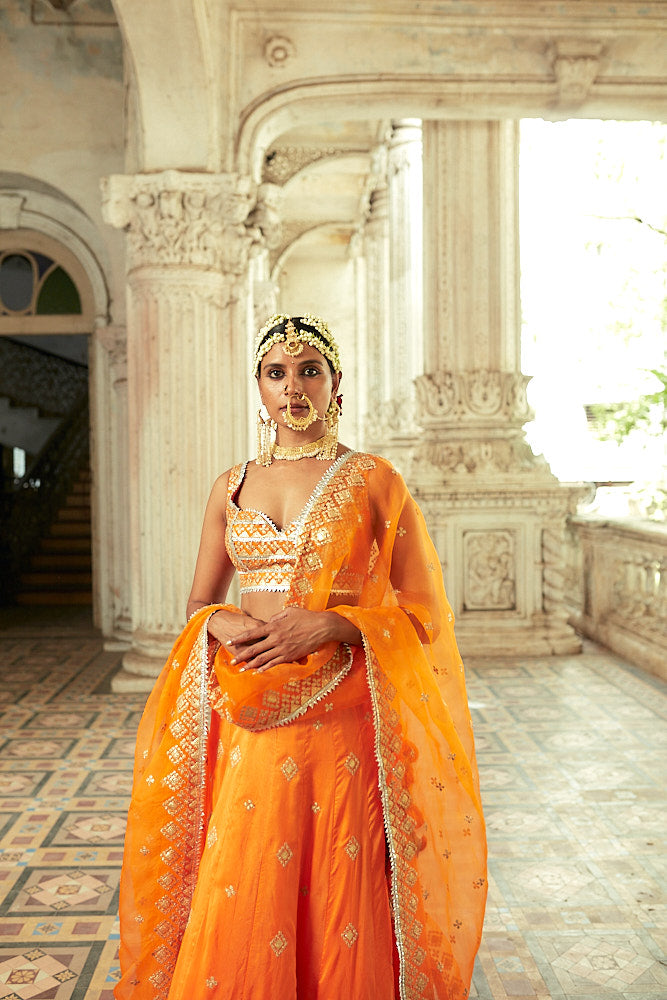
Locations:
(292, 383)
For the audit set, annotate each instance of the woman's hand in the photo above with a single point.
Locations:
(225, 625)
(288, 636)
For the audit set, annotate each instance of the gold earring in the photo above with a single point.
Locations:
(331, 417)
(265, 429)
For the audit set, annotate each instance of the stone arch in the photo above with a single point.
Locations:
(177, 112)
(35, 213)
(36, 216)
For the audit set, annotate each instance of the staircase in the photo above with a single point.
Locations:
(59, 571)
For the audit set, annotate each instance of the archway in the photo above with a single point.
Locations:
(53, 297)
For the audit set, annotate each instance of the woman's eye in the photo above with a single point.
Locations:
(311, 371)
(275, 373)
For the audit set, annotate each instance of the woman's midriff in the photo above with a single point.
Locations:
(264, 604)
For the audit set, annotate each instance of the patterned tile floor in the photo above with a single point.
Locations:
(572, 753)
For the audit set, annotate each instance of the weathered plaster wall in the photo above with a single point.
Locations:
(61, 93)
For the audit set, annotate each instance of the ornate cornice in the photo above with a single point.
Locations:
(475, 396)
(176, 218)
(576, 65)
(547, 501)
(390, 420)
(447, 461)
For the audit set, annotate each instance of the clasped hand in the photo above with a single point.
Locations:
(287, 636)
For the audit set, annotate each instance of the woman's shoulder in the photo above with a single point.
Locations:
(229, 480)
(371, 463)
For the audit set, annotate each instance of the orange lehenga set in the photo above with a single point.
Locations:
(314, 831)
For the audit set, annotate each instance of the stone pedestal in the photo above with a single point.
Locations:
(187, 321)
(496, 511)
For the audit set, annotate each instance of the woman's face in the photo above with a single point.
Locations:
(282, 377)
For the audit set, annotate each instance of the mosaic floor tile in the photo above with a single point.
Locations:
(571, 752)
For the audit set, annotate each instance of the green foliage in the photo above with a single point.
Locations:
(648, 413)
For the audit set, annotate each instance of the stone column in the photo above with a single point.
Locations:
(187, 356)
(376, 256)
(109, 447)
(403, 360)
(495, 509)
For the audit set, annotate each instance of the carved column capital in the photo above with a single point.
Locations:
(264, 222)
(174, 218)
(474, 396)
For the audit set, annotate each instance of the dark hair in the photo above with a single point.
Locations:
(300, 325)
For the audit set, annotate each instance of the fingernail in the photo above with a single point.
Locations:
(233, 661)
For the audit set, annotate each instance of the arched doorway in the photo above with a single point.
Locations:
(47, 313)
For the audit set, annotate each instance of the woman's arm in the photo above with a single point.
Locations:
(290, 635)
(214, 569)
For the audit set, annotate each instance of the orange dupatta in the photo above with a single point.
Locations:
(364, 532)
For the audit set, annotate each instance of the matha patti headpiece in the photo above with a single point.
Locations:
(294, 332)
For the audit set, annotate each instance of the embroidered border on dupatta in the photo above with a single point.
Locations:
(282, 705)
(185, 809)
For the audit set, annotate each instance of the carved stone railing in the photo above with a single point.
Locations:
(617, 587)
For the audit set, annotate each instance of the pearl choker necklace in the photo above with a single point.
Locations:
(324, 448)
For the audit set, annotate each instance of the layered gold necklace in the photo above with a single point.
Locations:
(322, 449)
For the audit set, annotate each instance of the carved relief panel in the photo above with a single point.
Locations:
(489, 570)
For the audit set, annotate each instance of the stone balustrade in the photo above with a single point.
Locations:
(617, 587)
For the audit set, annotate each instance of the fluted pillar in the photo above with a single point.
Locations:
(187, 354)
(496, 510)
(376, 288)
(109, 461)
(403, 361)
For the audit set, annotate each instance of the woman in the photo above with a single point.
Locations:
(321, 836)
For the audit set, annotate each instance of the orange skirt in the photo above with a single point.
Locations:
(292, 897)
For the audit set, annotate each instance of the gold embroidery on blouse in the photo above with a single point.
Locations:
(264, 554)
(235, 756)
(211, 982)
(211, 837)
